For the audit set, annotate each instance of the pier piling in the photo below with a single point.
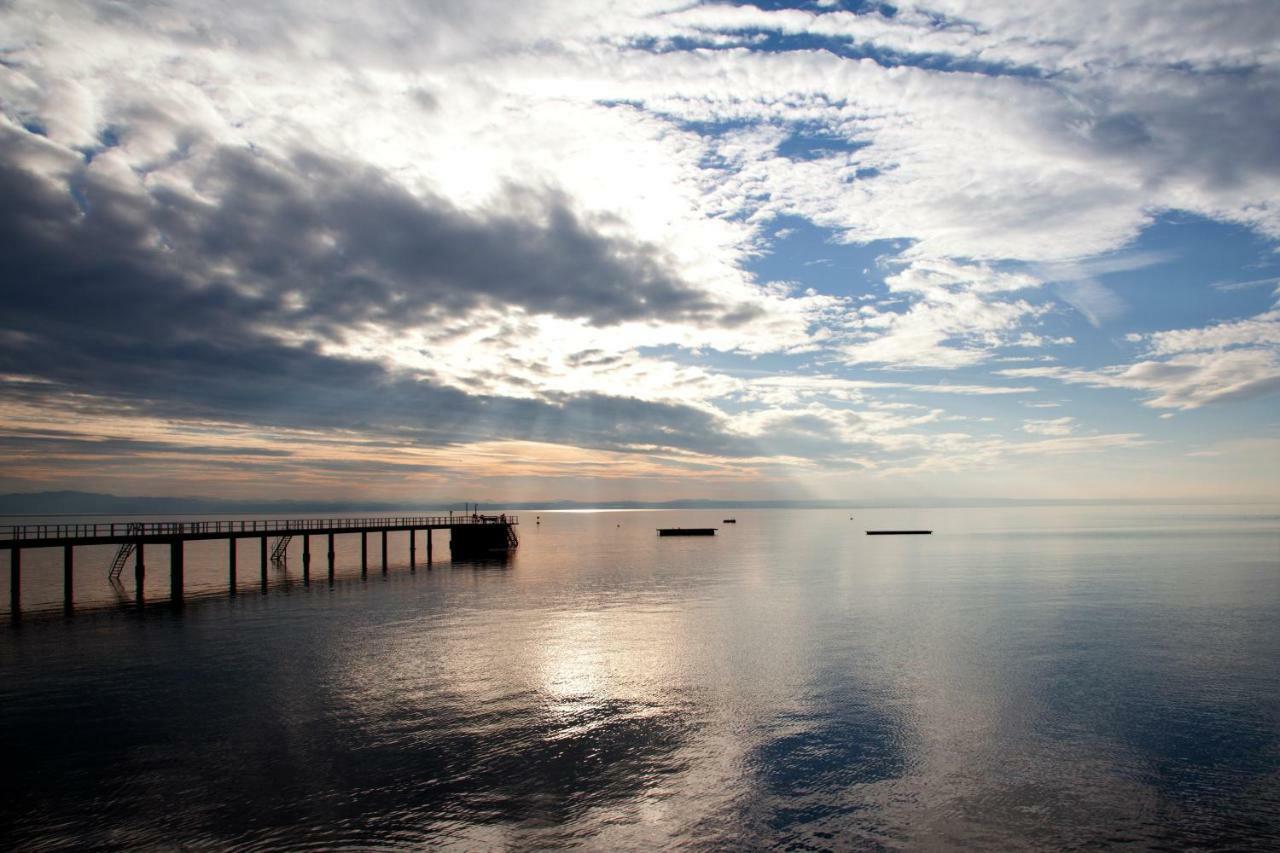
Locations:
(413, 550)
(175, 571)
(231, 563)
(364, 553)
(331, 557)
(306, 559)
(15, 580)
(140, 570)
(67, 576)
(265, 559)
(384, 552)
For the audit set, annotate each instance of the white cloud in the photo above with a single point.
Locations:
(958, 315)
(1030, 339)
(1051, 426)
(1262, 330)
(1098, 303)
(785, 390)
(1182, 382)
(1002, 188)
(556, 93)
(1230, 286)
(1189, 368)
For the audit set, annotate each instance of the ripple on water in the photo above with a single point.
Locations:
(1059, 679)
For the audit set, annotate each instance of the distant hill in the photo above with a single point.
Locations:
(92, 503)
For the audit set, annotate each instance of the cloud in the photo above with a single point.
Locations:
(558, 94)
(1098, 303)
(1262, 330)
(1148, 33)
(955, 318)
(471, 222)
(327, 244)
(1230, 286)
(219, 312)
(1190, 368)
(1076, 281)
(1181, 382)
(1051, 426)
(783, 390)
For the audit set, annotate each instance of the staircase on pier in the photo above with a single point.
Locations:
(280, 553)
(123, 553)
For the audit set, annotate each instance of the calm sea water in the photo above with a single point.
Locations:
(1022, 679)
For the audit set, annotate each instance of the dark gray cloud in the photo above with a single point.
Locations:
(1217, 129)
(349, 246)
(65, 442)
(112, 294)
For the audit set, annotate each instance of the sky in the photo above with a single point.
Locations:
(648, 250)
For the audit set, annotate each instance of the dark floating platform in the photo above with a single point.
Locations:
(686, 531)
(899, 532)
(730, 521)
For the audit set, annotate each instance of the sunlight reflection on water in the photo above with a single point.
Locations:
(1023, 678)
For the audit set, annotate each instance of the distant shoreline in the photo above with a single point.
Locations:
(90, 503)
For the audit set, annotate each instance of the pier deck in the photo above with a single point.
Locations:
(468, 533)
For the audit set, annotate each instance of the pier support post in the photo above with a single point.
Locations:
(306, 558)
(231, 564)
(428, 547)
(413, 549)
(139, 572)
(175, 571)
(364, 553)
(67, 575)
(265, 559)
(331, 558)
(15, 581)
(384, 552)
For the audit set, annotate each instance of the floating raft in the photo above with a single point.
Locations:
(899, 532)
(686, 531)
(730, 521)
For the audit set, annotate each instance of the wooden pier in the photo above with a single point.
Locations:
(471, 534)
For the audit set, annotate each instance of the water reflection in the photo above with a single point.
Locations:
(787, 686)
(816, 771)
(496, 561)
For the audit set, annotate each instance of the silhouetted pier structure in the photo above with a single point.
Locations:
(469, 534)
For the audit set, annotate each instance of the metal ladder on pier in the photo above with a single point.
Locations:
(280, 553)
(123, 553)
(513, 541)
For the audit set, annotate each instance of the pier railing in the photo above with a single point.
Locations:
(260, 527)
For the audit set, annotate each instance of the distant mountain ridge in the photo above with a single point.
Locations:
(93, 503)
(72, 502)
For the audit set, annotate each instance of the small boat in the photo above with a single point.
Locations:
(730, 521)
(686, 531)
(898, 532)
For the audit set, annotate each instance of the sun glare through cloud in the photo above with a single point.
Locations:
(813, 251)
